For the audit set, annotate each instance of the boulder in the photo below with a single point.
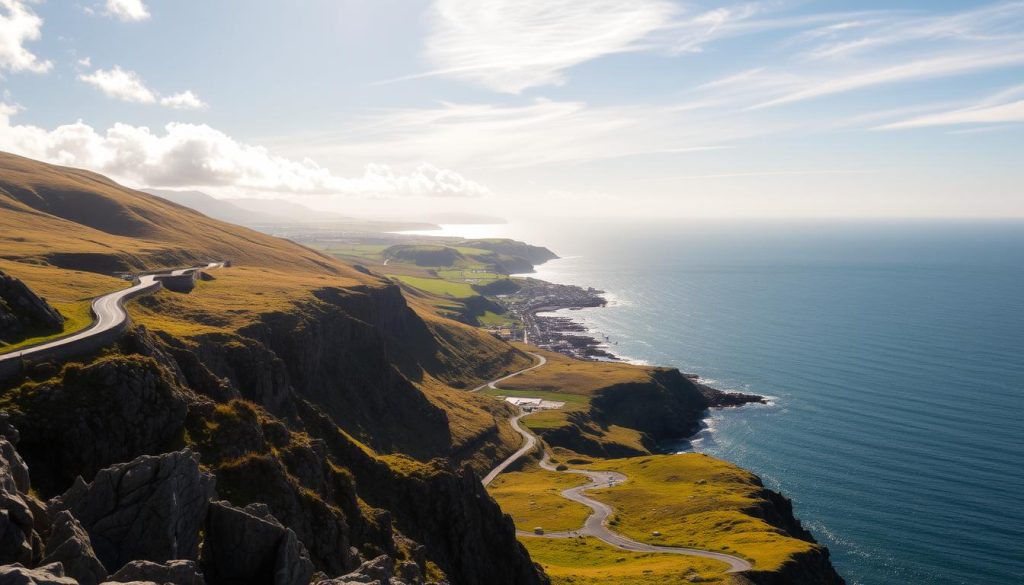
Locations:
(151, 508)
(19, 542)
(21, 309)
(52, 574)
(380, 571)
(175, 572)
(250, 547)
(69, 545)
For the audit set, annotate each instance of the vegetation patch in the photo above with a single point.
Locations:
(588, 561)
(533, 498)
(696, 501)
(437, 286)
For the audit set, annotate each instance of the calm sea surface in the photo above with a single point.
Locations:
(894, 353)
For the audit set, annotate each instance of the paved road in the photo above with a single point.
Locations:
(541, 360)
(109, 312)
(528, 446)
(595, 525)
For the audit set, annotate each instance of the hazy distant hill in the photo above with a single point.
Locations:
(280, 210)
(212, 207)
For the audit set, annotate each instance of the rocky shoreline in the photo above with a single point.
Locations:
(569, 337)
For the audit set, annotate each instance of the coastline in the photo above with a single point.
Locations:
(568, 336)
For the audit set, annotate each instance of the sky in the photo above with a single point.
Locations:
(588, 108)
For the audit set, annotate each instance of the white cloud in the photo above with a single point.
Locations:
(183, 100)
(511, 45)
(542, 132)
(120, 84)
(128, 86)
(198, 156)
(946, 65)
(18, 25)
(127, 10)
(1002, 113)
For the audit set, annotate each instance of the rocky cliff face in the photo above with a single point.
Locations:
(257, 435)
(22, 311)
(669, 406)
(810, 568)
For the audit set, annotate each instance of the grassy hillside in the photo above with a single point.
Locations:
(65, 232)
(75, 219)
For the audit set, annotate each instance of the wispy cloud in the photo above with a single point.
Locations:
(120, 84)
(127, 10)
(942, 66)
(19, 25)
(543, 132)
(511, 45)
(128, 86)
(999, 114)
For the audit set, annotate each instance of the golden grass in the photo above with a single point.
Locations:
(48, 210)
(572, 376)
(237, 297)
(695, 501)
(532, 497)
(588, 561)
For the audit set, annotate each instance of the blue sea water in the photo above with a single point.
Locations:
(894, 353)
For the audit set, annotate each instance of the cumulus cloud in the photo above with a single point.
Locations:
(183, 100)
(198, 156)
(127, 86)
(127, 10)
(120, 84)
(18, 25)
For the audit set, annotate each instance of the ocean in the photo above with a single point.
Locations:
(893, 353)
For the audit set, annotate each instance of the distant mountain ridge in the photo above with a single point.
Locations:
(245, 210)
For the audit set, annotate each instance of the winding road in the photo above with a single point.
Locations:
(108, 310)
(595, 524)
(541, 360)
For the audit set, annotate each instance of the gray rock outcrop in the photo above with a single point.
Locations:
(69, 544)
(250, 547)
(19, 542)
(176, 572)
(380, 571)
(21, 309)
(151, 508)
(52, 574)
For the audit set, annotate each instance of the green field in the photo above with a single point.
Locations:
(437, 286)
(492, 319)
(77, 316)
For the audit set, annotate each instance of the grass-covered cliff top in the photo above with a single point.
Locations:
(692, 500)
(696, 501)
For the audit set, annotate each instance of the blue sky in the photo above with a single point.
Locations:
(608, 108)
